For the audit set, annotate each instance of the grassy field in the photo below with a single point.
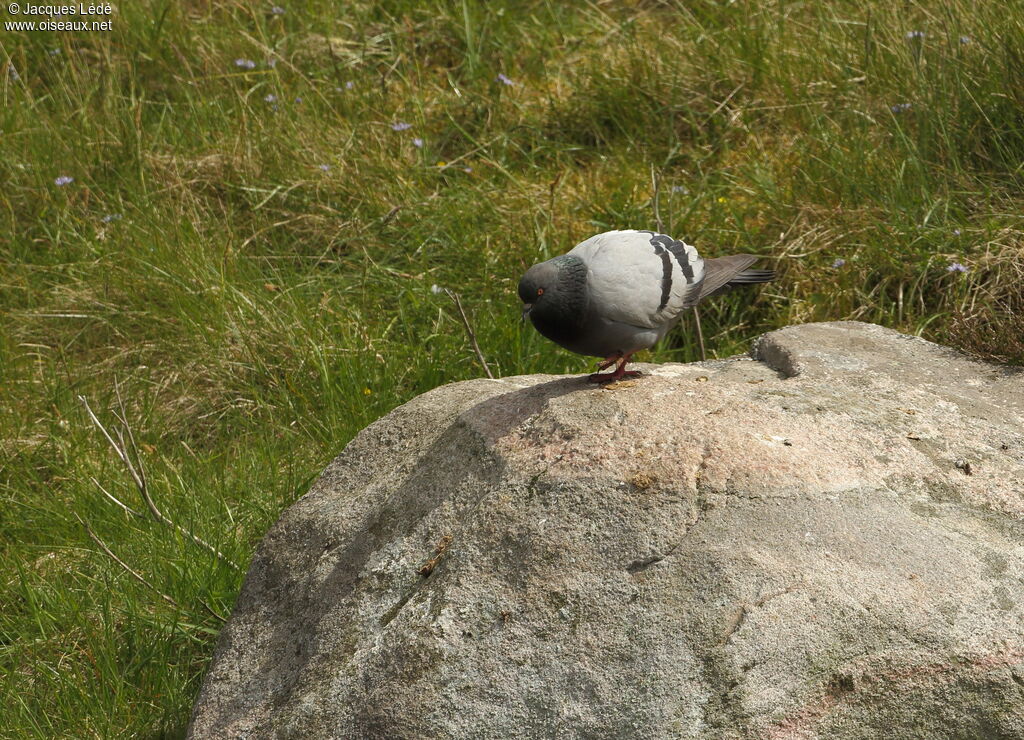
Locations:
(229, 231)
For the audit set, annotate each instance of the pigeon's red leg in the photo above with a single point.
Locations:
(600, 377)
(622, 372)
(619, 372)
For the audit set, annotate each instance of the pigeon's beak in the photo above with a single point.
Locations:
(526, 310)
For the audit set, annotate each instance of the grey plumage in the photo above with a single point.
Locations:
(621, 291)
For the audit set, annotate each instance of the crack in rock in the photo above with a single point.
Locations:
(644, 563)
(740, 615)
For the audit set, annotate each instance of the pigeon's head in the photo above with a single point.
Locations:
(540, 283)
(554, 292)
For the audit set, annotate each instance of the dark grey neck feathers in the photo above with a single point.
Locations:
(560, 314)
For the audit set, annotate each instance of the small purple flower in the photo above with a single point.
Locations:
(270, 98)
(915, 34)
(467, 170)
(900, 108)
(245, 63)
(965, 39)
(417, 142)
(63, 180)
(325, 167)
(957, 267)
(298, 100)
(54, 52)
(13, 74)
(505, 80)
(838, 262)
(680, 189)
(277, 10)
(111, 217)
(349, 85)
(400, 126)
(956, 232)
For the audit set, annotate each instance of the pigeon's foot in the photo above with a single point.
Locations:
(617, 374)
(607, 362)
(612, 377)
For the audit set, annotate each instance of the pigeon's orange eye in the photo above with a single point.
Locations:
(540, 291)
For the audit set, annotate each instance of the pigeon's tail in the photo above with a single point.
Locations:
(722, 274)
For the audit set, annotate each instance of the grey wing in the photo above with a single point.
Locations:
(641, 278)
(719, 272)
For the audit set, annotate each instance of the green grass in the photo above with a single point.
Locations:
(254, 311)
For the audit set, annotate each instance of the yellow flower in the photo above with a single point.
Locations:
(442, 164)
(367, 391)
(722, 199)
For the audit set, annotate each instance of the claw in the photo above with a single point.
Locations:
(617, 374)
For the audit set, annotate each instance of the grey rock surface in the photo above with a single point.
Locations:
(823, 540)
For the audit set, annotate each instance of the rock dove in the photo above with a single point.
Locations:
(621, 291)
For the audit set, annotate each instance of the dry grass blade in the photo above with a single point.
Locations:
(138, 476)
(655, 200)
(138, 576)
(469, 331)
(127, 509)
(700, 334)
